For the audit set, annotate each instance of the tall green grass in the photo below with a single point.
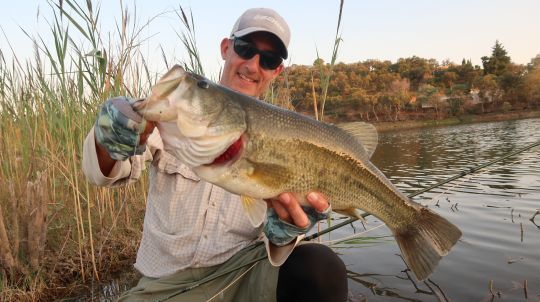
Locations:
(55, 228)
(57, 231)
(326, 71)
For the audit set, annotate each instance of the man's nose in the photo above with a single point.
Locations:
(253, 63)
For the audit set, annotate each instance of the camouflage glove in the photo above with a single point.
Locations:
(281, 233)
(118, 127)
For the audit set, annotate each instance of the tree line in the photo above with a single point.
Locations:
(414, 87)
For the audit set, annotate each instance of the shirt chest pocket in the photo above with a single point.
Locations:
(173, 176)
(174, 194)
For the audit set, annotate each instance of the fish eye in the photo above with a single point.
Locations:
(203, 84)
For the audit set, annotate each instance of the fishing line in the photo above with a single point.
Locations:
(471, 176)
(465, 179)
(233, 282)
(445, 181)
(351, 220)
(212, 278)
(353, 236)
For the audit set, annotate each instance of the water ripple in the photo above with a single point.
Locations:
(491, 207)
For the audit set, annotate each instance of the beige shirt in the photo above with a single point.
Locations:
(188, 222)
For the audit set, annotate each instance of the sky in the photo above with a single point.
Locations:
(383, 30)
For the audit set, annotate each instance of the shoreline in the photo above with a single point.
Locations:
(465, 119)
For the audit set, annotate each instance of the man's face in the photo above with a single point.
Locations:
(247, 76)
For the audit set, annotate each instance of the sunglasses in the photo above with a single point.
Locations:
(247, 50)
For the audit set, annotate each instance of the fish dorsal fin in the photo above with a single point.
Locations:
(363, 132)
(255, 209)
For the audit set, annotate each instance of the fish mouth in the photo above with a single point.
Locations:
(232, 153)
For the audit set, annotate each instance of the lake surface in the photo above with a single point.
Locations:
(500, 245)
(499, 251)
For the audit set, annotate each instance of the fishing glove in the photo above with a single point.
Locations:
(281, 233)
(118, 128)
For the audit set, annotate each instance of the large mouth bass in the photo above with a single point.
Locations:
(258, 150)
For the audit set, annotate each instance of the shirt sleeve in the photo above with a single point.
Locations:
(122, 173)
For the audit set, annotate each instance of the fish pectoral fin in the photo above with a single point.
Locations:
(424, 242)
(351, 212)
(255, 209)
(365, 133)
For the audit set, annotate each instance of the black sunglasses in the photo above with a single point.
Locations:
(247, 50)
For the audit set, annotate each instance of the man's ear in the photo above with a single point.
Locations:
(224, 47)
(277, 71)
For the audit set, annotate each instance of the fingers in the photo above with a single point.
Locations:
(318, 201)
(280, 210)
(289, 209)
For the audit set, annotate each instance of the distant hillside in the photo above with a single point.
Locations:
(413, 88)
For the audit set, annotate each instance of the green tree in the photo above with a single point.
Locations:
(498, 61)
(428, 95)
(489, 90)
(417, 70)
(372, 100)
(467, 73)
(319, 62)
(449, 78)
(359, 102)
(535, 63)
(531, 86)
(399, 95)
(511, 81)
(458, 94)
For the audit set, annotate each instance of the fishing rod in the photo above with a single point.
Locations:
(445, 181)
(351, 220)
(211, 278)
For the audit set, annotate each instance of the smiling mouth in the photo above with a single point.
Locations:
(246, 78)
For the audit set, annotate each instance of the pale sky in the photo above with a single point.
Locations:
(384, 30)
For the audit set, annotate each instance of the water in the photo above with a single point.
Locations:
(500, 245)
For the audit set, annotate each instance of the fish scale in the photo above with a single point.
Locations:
(264, 150)
(308, 168)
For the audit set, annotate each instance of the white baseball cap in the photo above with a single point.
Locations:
(263, 19)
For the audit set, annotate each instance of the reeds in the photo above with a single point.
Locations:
(189, 40)
(55, 228)
(279, 92)
(326, 71)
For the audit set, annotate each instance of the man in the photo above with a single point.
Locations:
(194, 231)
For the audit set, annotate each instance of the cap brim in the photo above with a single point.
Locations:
(246, 31)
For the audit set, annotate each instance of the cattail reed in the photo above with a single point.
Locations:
(55, 228)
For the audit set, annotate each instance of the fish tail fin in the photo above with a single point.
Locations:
(426, 241)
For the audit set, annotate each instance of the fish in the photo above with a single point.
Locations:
(258, 150)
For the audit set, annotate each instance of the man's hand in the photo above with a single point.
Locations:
(120, 130)
(288, 208)
(287, 218)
